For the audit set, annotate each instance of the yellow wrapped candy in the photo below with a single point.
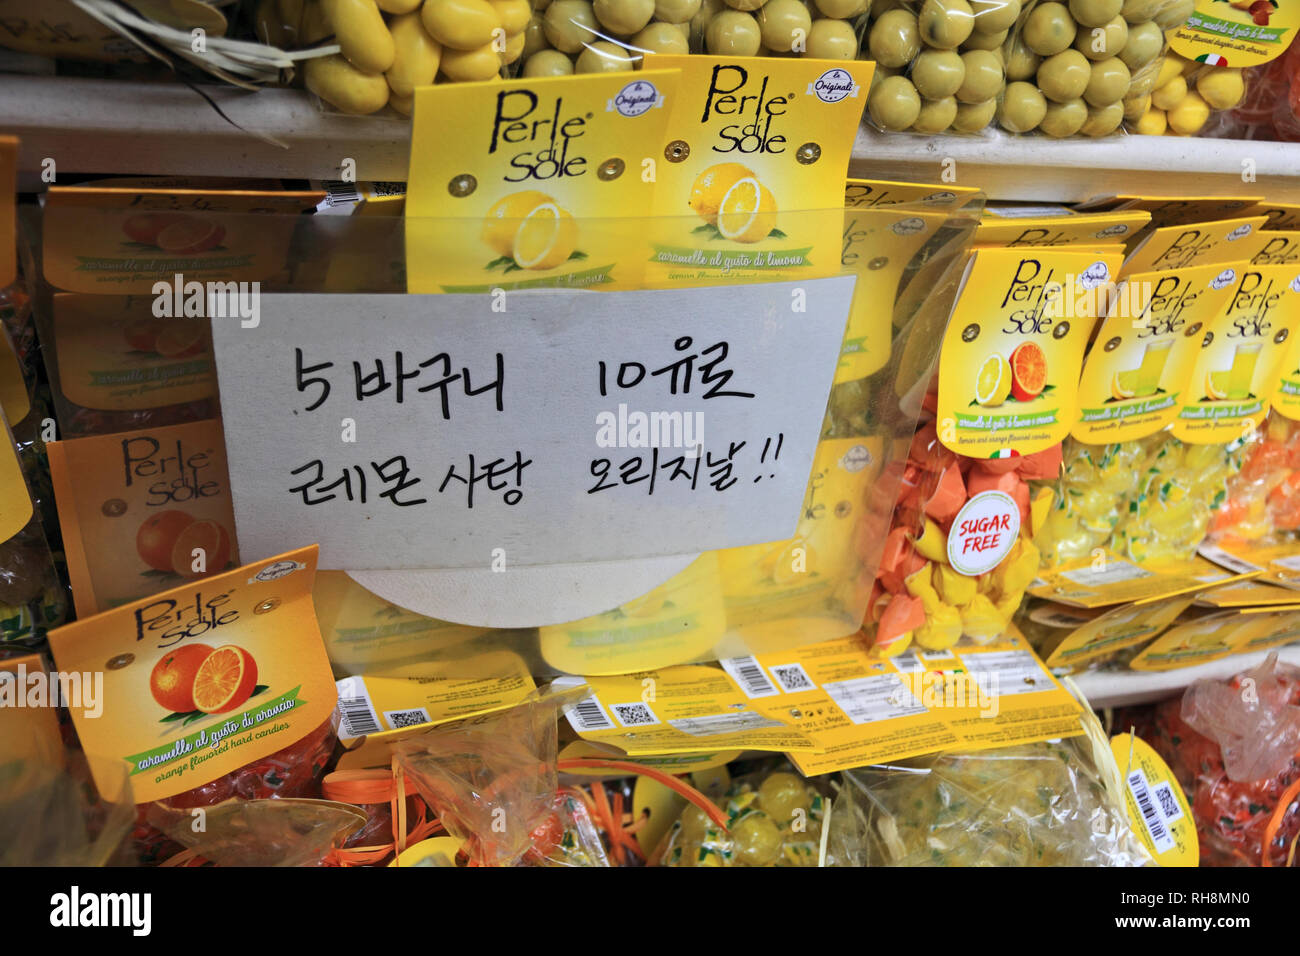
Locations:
(942, 629)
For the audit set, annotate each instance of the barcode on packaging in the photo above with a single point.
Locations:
(748, 674)
(357, 716)
(588, 714)
(1152, 817)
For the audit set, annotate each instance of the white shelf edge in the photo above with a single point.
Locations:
(98, 126)
(1121, 688)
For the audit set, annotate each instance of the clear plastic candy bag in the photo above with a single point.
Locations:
(773, 818)
(1044, 804)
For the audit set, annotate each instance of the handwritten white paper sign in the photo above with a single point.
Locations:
(526, 428)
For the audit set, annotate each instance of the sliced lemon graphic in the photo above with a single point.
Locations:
(993, 381)
(711, 186)
(1124, 384)
(547, 237)
(748, 211)
(503, 219)
(1216, 386)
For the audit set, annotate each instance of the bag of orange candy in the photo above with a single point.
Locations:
(1235, 747)
(222, 693)
(1263, 498)
(959, 554)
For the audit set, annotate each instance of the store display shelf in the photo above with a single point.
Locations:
(1065, 171)
(89, 125)
(1121, 688)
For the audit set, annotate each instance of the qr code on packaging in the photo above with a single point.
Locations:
(407, 718)
(634, 715)
(792, 678)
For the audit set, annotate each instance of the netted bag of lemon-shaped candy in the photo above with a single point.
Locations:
(604, 36)
(1175, 96)
(1075, 67)
(1179, 488)
(1263, 499)
(387, 48)
(773, 819)
(1088, 500)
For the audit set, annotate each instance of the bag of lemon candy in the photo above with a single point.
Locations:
(1180, 486)
(518, 182)
(1088, 500)
(774, 818)
(988, 807)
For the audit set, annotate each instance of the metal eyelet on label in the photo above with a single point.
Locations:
(118, 662)
(677, 151)
(808, 153)
(462, 185)
(270, 604)
(610, 170)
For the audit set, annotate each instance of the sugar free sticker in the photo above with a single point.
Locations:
(983, 533)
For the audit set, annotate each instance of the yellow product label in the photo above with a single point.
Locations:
(134, 240)
(669, 763)
(1179, 210)
(364, 634)
(1265, 630)
(1142, 358)
(29, 717)
(871, 193)
(1246, 594)
(1279, 215)
(689, 709)
(15, 502)
(1283, 390)
(864, 710)
(143, 511)
(1198, 640)
(203, 679)
(1109, 579)
(15, 402)
(1242, 351)
(750, 182)
(678, 621)
(1095, 231)
(514, 184)
(63, 31)
(1010, 360)
(797, 579)
(115, 354)
(1117, 629)
(414, 698)
(879, 243)
(8, 203)
(1158, 810)
(1236, 33)
(1279, 249)
(1198, 244)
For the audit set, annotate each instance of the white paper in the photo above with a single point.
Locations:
(781, 343)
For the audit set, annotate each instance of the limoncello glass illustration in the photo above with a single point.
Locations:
(1154, 357)
(1242, 371)
(533, 183)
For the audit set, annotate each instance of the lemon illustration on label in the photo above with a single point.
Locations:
(729, 197)
(1216, 386)
(712, 185)
(1124, 384)
(993, 384)
(529, 231)
(748, 212)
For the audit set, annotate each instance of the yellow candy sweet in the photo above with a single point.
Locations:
(932, 544)
(981, 621)
(942, 628)
(953, 587)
